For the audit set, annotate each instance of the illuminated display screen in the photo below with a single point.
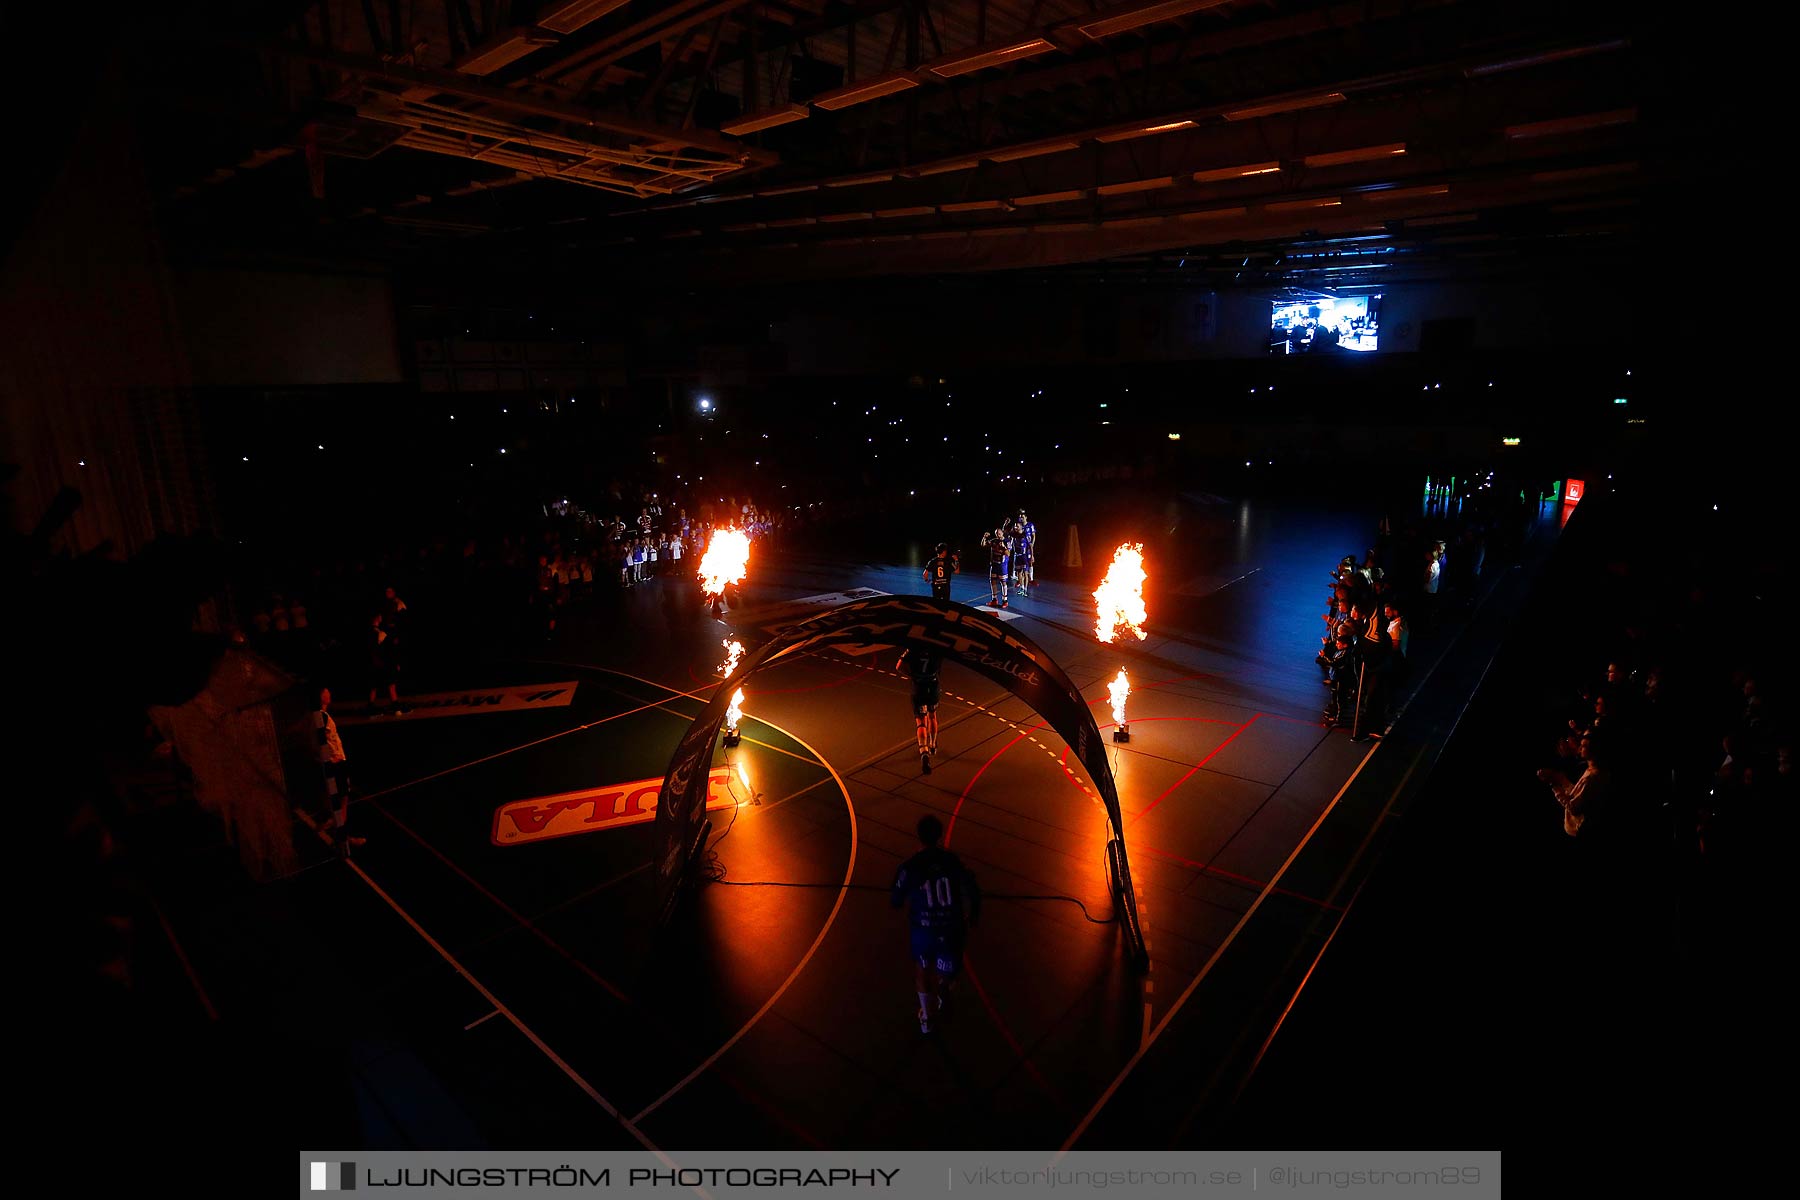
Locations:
(1324, 323)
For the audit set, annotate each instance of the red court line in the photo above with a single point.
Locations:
(951, 827)
(1006, 1033)
(969, 967)
(1209, 869)
(1196, 767)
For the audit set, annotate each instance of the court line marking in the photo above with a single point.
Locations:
(1344, 876)
(969, 963)
(388, 791)
(1147, 1039)
(1233, 877)
(187, 965)
(1211, 961)
(520, 921)
(1145, 811)
(574, 1076)
(830, 920)
(1007, 1033)
(664, 706)
(818, 760)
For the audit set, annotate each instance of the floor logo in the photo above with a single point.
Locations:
(333, 1177)
(773, 618)
(593, 809)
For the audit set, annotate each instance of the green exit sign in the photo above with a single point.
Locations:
(1619, 400)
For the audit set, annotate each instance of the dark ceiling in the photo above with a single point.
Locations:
(693, 142)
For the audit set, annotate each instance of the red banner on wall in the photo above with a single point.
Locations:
(592, 809)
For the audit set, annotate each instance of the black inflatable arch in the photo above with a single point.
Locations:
(960, 633)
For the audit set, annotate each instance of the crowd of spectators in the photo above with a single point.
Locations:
(1671, 748)
(343, 619)
(1408, 579)
(1667, 739)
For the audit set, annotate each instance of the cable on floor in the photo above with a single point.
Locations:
(875, 887)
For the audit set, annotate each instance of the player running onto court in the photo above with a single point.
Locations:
(939, 570)
(922, 666)
(942, 902)
(999, 563)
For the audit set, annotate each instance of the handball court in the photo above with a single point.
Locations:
(505, 983)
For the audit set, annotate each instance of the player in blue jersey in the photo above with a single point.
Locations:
(939, 571)
(922, 667)
(999, 547)
(1024, 550)
(942, 902)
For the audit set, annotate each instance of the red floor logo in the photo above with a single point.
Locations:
(592, 809)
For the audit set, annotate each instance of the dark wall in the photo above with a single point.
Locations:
(291, 326)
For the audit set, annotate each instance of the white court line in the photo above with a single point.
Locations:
(1181, 1000)
(388, 791)
(574, 1075)
(843, 890)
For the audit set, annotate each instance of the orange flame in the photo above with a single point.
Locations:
(735, 712)
(733, 652)
(1119, 600)
(1120, 688)
(727, 555)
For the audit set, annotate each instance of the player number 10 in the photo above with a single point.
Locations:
(941, 886)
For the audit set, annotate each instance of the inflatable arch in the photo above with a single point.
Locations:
(961, 634)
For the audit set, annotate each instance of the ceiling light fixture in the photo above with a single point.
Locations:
(768, 118)
(1219, 174)
(1578, 124)
(982, 57)
(868, 89)
(1136, 16)
(1136, 185)
(1549, 56)
(1138, 131)
(944, 166)
(1410, 193)
(859, 180)
(1294, 104)
(571, 15)
(1338, 158)
(1014, 153)
(1296, 205)
(498, 51)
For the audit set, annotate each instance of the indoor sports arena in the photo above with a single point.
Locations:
(837, 577)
